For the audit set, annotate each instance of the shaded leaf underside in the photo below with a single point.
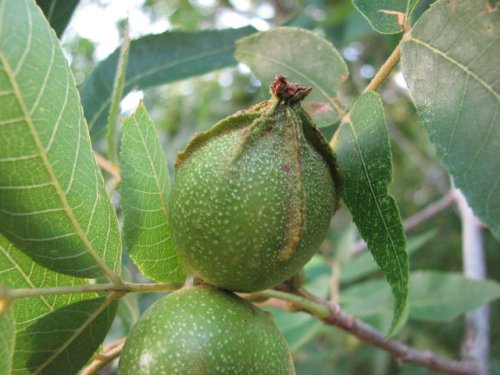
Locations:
(451, 64)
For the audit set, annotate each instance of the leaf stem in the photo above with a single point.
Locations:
(110, 352)
(108, 166)
(317, 309)
(331, 313)
(374, 84)
(13, 294)
(385, 70)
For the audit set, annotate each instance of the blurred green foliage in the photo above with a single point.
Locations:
(182, 108)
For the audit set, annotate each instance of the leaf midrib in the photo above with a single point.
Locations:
(153, 171)
(464, 68)
(75, 334)
(53, 179)
(363, 163)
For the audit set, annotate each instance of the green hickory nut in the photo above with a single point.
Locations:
(253, 196)
(203, 330)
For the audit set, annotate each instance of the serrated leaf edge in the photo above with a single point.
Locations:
(42, 152)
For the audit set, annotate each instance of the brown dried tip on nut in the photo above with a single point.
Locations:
(288, 92)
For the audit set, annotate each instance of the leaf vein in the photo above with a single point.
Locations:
(28, 44)
(485, 140)
(43, 86)
(6, 252)
(393, 246)
(465, 69)
(458, 114)
(50, 170)
(74, 336)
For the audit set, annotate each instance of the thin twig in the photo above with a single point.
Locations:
(331, 313)
(102, 359)
(476, 345)
(374, 84)
(400, 351)
(109, 167)
(416, 219)
(384, 70)
(13, 294)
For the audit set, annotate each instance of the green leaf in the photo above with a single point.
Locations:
(58, 13)
(383, 14)
(155, 60)
(58, 344)
(438, 296)
(7, 341)
(144, 194)
(53, 202)
(363, 265)
(451, 65)
(18, 271)
(364, 158)
(303, 57)
(54, 333)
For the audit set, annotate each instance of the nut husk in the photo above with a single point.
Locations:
(253, 196)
